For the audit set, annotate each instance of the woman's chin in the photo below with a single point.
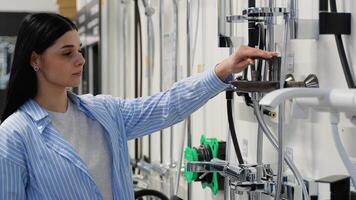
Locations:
(74, 84)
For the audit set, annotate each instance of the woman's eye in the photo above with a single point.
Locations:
(67, 53)
(73, 52)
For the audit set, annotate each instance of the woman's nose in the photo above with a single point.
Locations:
(80, 59)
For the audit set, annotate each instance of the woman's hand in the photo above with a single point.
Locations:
(239, 60)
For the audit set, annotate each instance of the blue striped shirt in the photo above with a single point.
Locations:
(37, 163)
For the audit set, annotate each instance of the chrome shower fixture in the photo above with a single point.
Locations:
(244, 178)
(311, 81)
(253, 14)
(244, 86)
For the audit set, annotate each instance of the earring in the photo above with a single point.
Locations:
(36, 68)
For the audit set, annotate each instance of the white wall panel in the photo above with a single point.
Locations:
(28, 6)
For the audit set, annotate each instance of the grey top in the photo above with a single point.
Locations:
(88, 139)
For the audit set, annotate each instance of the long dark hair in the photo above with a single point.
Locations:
(37, 32)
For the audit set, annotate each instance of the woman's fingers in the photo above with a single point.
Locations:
(249, 52)
(243, 57)
(242, 65)
(246, 63)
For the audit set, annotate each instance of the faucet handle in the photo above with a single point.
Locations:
(311, 81)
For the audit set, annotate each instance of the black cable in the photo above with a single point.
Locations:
(150, 193)
(342, 54)
(251, 3)
(139, 27)
(174, 197)
(323, 5)
(251, 42)
(333, 7)
(149, 79)
(248, 100)
(161, 146)
(344, 62)
(136, 69)
(229, 98)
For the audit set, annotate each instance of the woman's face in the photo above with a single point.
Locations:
(61, 65)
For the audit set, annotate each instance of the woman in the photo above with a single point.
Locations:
(57, 145)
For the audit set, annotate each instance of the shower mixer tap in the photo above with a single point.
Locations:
(243, 178)
(260, 19)
(245, 86)
(256, 14)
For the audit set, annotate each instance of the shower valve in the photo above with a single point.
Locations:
(244, 177)
(311, 81)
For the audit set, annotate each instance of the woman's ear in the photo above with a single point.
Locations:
(35, 59)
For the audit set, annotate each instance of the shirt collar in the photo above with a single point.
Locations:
(81, 103)
(39, 114)
(35, 111)
(76, 100)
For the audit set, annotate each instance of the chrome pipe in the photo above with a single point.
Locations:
(293, 7)
(224, 29)
(259, 145)
(281, 111)
(270, 28)
(224, 7)
(270, 136)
